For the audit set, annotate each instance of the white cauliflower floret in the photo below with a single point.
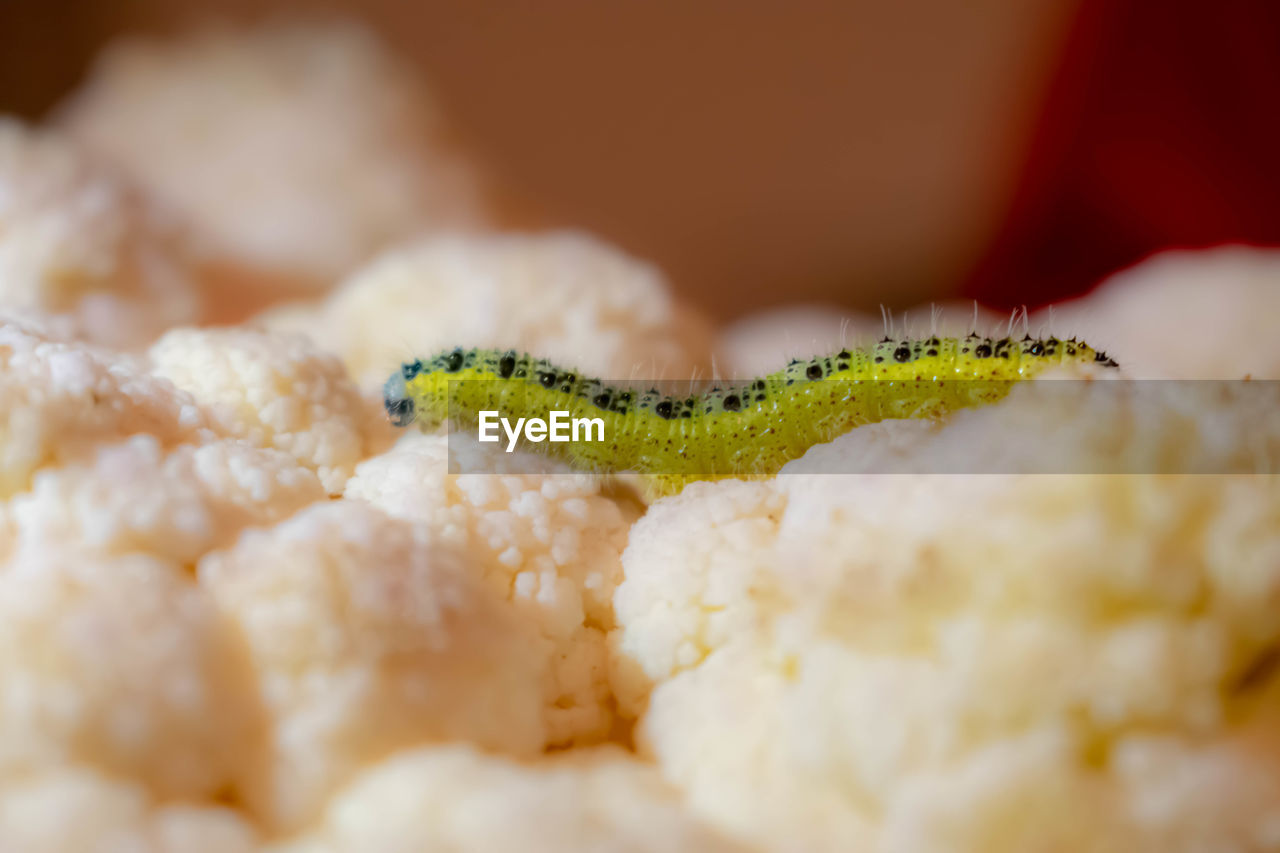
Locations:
(1204, 314)
(550, 543)
(1223, 794)
(298, 149)
(455, 798)
(369, 637)
(1078, 425)
(59, 401)
(1155, 793)
(561, 296)
(135, 497)
(74, 810)
(688, 593)
(123, 665)
(944, 662)
(276, 391)
(76, 241)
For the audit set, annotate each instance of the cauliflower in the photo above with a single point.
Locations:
(548, 542)
(1203, 314)
(562, 296)
(124, 665)
(368, 637)
(295, 149)
(1186, 315)
(78, 241)
(922, 672)
(455, 798)
(687, 594)
(60, 400)
(135, 497)
(234, 617)
(276, 391)
(74, 810)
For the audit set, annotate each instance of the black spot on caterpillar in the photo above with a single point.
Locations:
(753, 428)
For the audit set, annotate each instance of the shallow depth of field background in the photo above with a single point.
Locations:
(851, 152)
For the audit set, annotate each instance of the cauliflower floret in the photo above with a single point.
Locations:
(562, 296)
(455, 798)
(297, 148)
(135, 497)
(686, 594)
(59, 401)
(548, 542)
(1224, 794)
(1084, 423)
(941, 662)
(276, 391)
(123, 665)
(369, 637)
(74, 810)
(76, 241)
(1157, 793)
(1205, 314)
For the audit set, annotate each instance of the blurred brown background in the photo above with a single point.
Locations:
(859, 152)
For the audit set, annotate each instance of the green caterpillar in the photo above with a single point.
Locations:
(750, 429)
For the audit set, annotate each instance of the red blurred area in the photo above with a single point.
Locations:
(1161, 130)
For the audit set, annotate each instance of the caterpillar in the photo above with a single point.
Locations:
(751, 428)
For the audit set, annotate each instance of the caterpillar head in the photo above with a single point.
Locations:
(396, 400)
(410, 396)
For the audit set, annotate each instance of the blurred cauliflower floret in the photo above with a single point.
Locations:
(455, 798)
(296, 149)
(123, 665)
(562, 296)
(76, 240)
(1206, 314)
(1081, 424)
(369, 637)
(80, 811)
(944, 662)
(136, 498)
(60, 401)
(689, 593)
(548, 542)
(276, 391)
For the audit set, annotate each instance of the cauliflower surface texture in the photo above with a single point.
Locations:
(60, 400)
(74, 810)
(367, 637)
(124, 664)
(447, 798)
(892, 662)
(548, 542)
(276, 391)
(566, 296)
(1186, 315)
(77, 240)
